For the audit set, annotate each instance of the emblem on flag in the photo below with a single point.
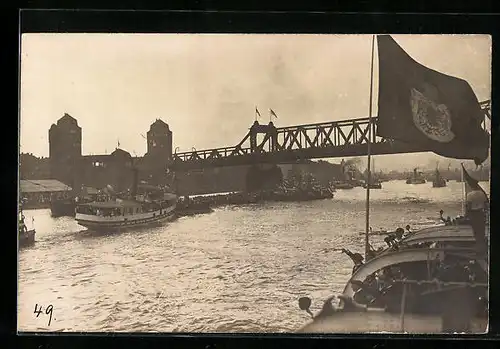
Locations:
(428, 109)
(431, 118)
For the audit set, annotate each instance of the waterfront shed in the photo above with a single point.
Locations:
(38, 192)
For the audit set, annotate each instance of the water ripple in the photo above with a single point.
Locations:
(239, 269)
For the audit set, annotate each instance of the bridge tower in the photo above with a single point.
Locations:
(270, 133)
(263, 176)
(159, 138)
(159, 153)
(65, 149)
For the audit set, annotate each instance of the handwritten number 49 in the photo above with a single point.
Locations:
(48, 311)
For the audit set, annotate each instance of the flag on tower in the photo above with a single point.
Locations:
(427, 108)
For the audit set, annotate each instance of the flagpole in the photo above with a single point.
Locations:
(463, 190)
(368, 175)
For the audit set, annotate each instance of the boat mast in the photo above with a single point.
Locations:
(368, 175)
(463, 190)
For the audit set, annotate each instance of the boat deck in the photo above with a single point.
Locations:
(378, 321)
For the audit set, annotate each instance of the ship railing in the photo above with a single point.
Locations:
(436, 282)
(441, 283)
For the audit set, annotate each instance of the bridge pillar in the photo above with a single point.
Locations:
(263, 177)
(254, 130)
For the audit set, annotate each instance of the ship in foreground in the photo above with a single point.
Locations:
(434, 280)
(429, 281)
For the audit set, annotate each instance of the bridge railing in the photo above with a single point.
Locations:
(207, 154)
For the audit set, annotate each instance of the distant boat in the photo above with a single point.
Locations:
(26, 236)
(342, 185)
(416, 178)
(67, 206)
(438, 181)
(373, 185)
(62, 207)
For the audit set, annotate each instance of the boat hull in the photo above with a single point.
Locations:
(60, 208)
(373, 186)
(27, 238)
(416, 181)
(193, 211)
(439, 184)
(343, 186)
(121, 223)
(374, 321)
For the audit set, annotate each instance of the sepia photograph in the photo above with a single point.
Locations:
(254, 183)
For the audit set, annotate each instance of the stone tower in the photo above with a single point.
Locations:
(65, 149)
(159, 139)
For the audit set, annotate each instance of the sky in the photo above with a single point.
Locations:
(206, 87)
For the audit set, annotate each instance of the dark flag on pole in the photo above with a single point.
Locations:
(472, 184)
(257, 112)
(421, 106)
(273, 113)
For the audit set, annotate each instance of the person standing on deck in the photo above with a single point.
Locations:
(357, 258)
(476, 202)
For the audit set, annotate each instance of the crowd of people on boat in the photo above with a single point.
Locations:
(96, 211)
(373, 289)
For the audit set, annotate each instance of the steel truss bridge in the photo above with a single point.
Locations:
(267, 144)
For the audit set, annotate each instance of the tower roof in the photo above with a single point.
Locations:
(121, 152)
(160, 124)
(67, 119)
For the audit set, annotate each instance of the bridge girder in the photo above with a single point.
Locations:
(295, 143)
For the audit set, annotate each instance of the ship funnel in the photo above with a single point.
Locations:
(110, 189)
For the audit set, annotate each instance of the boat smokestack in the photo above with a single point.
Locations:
(135, 172)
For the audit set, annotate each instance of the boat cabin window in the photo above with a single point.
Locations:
(99, 211)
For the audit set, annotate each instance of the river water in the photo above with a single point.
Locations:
(238, 269)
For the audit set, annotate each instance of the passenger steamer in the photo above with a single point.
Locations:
(123, 212)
